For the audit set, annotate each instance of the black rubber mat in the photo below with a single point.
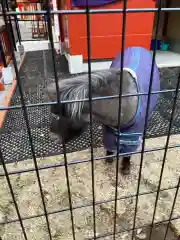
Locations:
(35, 73)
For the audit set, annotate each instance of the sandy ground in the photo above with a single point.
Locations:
(55, 190)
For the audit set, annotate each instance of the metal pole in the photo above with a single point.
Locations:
(17, 29)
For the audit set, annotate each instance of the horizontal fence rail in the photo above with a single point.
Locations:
(92, 11)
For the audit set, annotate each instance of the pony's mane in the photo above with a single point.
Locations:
(77, 88)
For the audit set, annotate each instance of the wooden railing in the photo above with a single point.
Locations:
(6, 48)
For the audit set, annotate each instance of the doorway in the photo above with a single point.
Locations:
(168, 35)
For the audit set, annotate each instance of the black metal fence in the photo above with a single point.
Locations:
(6, 14)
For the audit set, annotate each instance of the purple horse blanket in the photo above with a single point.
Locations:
(139, 62)
(90, 3)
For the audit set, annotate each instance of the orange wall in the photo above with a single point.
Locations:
(106, 30)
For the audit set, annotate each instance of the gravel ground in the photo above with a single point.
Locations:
(55, 191)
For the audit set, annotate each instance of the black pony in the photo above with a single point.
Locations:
(69, 120)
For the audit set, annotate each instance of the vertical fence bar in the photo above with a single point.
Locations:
(58, 101)
(45, 26)
(68, 188)
(119, 111)
(146, 118)
(52, 48)
(90, 111)
(172, 209)
(17, 29)
(26, 117)
(165, 154)
(12, 194)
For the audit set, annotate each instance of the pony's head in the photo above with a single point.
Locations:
(75, 115)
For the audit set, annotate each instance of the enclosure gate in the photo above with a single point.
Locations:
(38, 24)
(92, 160)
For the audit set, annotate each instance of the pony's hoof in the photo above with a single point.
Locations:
(125, 171)
(55, 138)
(126, 166)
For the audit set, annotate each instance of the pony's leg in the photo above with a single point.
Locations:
(59, 128)
(126, 165)
(109, 159)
